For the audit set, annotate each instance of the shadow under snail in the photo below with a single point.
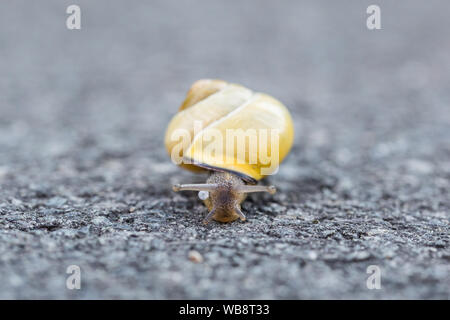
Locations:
(217, 106)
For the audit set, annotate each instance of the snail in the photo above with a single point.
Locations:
(201, 137)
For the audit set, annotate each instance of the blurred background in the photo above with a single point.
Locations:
(85, 178)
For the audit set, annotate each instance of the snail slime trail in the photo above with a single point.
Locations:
(262, 127)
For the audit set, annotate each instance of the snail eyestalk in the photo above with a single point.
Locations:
(250, 189)
(195, 187)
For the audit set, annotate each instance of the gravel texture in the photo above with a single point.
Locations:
(85, 179)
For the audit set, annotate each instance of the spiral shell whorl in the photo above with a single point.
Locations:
(219, 105)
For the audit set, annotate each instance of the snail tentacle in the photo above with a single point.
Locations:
(209, 216)
(195, 187)
(250, 189)
(240, 213)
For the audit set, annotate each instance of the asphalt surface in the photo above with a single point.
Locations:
(85, 179)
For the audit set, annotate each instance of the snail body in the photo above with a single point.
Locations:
(202, 135)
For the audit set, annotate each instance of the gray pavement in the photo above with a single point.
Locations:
(85, 178)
